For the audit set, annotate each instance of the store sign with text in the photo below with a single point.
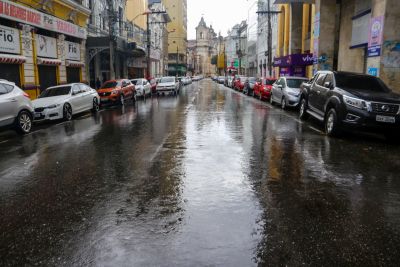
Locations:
(9, 40)
(46, 46)
(20, 13)
(72, 51)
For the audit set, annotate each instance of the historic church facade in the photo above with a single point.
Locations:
(206, 49)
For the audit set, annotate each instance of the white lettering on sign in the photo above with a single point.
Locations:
(9, 40)
(20, 13)
(72, 51)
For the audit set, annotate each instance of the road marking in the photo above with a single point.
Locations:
(5, 141)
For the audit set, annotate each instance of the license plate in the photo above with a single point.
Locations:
(104, 99)
(387, 119)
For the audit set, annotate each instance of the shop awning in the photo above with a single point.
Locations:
(48, 61)
(294, 1)
(74, 64)
(12, 59)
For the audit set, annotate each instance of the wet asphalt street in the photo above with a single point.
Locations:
(210, 178)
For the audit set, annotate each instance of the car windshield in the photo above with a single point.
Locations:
(252, 80)
(360, 82)
(110, 85)
(136, 82)
(167, 80)
(269, 82)
(56, 91)
(294, 83)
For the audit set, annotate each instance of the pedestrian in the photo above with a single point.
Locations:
(98, 83)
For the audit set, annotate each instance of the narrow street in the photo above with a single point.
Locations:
(208, 178)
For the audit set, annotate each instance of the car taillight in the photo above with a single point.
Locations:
(26, 95)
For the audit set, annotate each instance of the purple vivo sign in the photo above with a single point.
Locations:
(294, 60)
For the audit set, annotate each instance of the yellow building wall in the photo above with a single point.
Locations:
(177, 37)
(60, 10)
(133, 11)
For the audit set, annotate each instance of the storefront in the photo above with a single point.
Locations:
(293, 65)
(38, 50)
(10, 54)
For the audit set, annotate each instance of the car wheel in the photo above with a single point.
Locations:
(96, 106)
(283, 103)
(332, 127)
(303, 109)
(67, 112)
(23, 123)
(122, 100)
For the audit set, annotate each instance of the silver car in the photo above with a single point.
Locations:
(286, 91)
(16, 109)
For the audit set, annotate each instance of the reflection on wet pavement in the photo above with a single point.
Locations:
(209, 178)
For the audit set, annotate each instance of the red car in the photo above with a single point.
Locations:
(262, 89)
(239, 83)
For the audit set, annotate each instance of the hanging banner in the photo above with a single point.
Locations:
(9, 40)
(46, 46)
(20, 13)
(72, 51)
(375, 31)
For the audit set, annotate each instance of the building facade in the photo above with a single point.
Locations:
(177, 36)
(264, 65)
(206, 48)
(44, 43)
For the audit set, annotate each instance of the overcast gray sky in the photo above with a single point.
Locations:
(222, 14)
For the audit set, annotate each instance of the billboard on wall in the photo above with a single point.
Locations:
(9, 40)
(20, 13)
(46, 46)
(72, 51)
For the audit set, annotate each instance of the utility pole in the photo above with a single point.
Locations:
(177, 60)
(269, 36)
(111, 20)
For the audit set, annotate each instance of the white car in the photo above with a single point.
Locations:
(16, 109)
(64, 101)
(286, 91)
(168, 84)
(142, 87)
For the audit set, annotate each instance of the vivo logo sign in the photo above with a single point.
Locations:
(308, 58)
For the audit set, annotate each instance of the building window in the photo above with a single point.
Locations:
(201, 36)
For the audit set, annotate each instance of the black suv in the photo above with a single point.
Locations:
(345, 100)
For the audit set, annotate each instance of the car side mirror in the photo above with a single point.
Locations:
(328, 85)
(280, 86)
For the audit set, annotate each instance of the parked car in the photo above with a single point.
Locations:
(16, 110)
(262, 89)
(229, 82)
(344, 100)
(239, 83)
(64, 101)
(186, 80)
(168, 84)
(286, 91)
(249, 86)
(221, 79)
(117, 91)
(142, 87)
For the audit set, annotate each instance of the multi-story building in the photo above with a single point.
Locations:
(252, 36)
(177, 36)
(362, 36)
(191, 59)
(43, 43)
(265, 67)
(159, 39)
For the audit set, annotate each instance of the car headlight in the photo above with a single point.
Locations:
(53, 106)
(356, 102)
(293, 93)
(114, 92)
